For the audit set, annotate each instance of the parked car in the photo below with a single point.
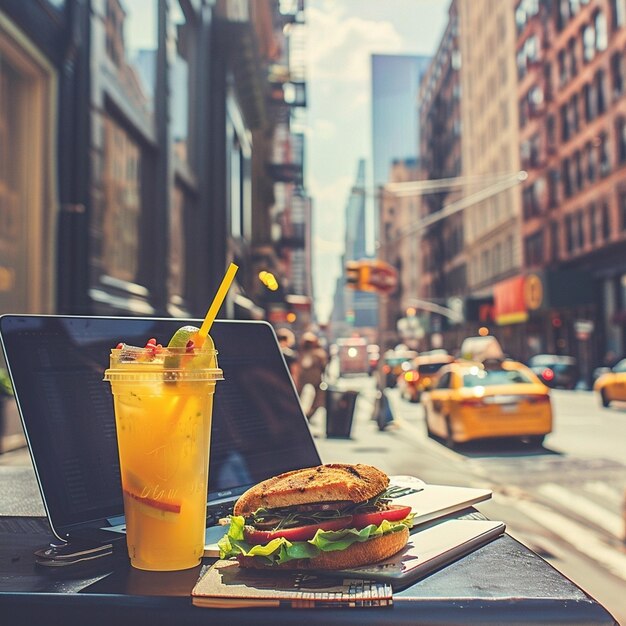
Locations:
(555, 370)
(612, 385)
(394, 363)
(498, 398)
(423, 374)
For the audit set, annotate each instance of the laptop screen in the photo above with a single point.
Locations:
(57, 365)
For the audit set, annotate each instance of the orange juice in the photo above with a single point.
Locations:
(163, 409)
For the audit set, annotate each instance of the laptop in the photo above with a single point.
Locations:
(56, 364)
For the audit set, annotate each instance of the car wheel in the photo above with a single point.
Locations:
(605, 400)
(450, 443)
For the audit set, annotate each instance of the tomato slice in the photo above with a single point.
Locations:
(297, 533)
(393, 513)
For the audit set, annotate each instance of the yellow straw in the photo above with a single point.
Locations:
(217, 301)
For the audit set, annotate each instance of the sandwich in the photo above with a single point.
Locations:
(334, 516)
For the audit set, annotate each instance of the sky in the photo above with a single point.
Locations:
(341, 37)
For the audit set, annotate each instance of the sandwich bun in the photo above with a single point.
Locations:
(324, 483)
(356, 555)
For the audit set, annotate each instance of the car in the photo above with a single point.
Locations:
(555, 370)
(493, 398)
(394, 363)
(423, 374)
(612, 385)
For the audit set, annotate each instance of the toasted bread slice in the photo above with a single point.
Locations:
(324, 483)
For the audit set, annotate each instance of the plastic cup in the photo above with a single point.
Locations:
(163, 411)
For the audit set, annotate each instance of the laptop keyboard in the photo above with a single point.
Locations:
(214, 512)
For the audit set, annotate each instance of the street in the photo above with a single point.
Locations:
(564, 500)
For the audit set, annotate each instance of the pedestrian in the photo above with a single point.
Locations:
(287, 342)
(312, 361)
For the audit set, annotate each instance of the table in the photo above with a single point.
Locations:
(501, 583)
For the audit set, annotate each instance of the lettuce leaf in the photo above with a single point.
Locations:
(281, 550)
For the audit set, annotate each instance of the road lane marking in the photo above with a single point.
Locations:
(611, 495)
(583, 507)
(578, 536)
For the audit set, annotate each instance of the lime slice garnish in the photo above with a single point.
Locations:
(180, 339)
(182, 336)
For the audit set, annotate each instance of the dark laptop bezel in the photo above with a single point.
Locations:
(89, 528)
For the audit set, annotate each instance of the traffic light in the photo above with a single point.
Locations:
(371, 275)
(353, 271)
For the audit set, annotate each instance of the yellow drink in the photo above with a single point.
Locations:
(163, 418)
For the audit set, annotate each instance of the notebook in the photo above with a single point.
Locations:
(430, 548)
(226, 585)
(56, 364)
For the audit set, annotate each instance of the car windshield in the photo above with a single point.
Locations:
(549, 360)
(486, 378)
(430, 368)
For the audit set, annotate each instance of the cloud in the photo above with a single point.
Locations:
(334, 35)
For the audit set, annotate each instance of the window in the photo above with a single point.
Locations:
(617, 78)
(619, 13)
(565, 129)
(620, 128)
(580, 180)
(569, 233)
(553, 188)
(122, 203)
(606, 221)
(26, 225)
(534, 249)
(562, 68)
(181, 104)
(593, 233)
(592, 162)
(580, 229)
(622, 209)
(573, 61)
(554, 240)
(565, 177)
(602, 36)
(590, 102)
(573, 116)
(600, 94)
(605, 161)
(589, 42)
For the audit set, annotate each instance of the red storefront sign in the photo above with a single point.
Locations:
(510, 302)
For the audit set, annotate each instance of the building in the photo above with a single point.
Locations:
(358, 312)
(572, 112)
(395, 128)
(443, 255)
(490, 147)
(141, 152)
(399, 246)
(395, 156)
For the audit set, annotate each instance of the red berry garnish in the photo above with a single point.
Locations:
(119, 346)
(152, 341)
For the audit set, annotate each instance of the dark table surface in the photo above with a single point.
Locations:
(502, 582)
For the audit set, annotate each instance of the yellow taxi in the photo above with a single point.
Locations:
(423, 374)
(494, 398)
(612, 385)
